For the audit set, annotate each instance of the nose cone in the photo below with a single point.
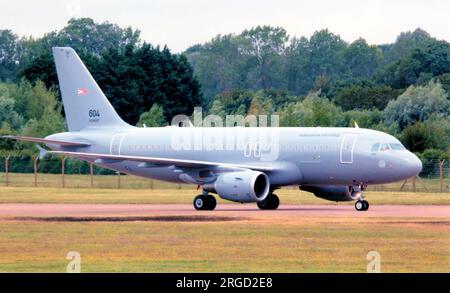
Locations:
(413, 165)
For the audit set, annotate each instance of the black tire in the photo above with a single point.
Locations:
(271, 202)
(366, 205)
(262, 205)
(204, 202)
(211, 202)
(200, 203)
(275, 202)
(359, 205)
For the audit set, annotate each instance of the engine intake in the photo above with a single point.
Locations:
(332, 192)
(241, 186)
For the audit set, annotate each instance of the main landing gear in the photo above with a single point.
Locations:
(361, 204)
(204, 202)
(271, 202)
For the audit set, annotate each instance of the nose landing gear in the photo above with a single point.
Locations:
(361, 204)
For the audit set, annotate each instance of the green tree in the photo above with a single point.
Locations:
(444, 79)
(234, 102)
(326, 55)
(299, 81)
(9, 118)
(431, 134)
(218, 65)
(418, 103)
(365, 96)
(364, 118)
(263, 47)
(405, 43)
(10, 55)
(421, 64)
(260, 105)
(132, 74)
(152, 118)
(40, 114)
(361, 59)
(311, 112)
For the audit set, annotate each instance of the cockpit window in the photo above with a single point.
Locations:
(375, 147)
(384, 147)
(397, 146)
(387, 146)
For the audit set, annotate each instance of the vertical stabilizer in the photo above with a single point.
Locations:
(85, 105)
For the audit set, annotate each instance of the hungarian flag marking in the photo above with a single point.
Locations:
(82, 92)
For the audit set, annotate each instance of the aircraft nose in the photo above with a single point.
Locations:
(413, 165)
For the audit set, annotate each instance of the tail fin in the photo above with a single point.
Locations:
(85, 105)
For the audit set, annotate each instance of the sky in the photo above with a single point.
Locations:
(180, 24)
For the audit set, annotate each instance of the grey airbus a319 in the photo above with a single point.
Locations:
(335, 164)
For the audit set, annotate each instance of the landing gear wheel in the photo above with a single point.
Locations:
(271, 202)
(204, 202)
(366, 205)
(362, 205)
(211, 202)
(200, 202)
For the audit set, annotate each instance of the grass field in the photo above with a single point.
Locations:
(167, 196)
(294, 244)
(315, 245)
(133, 182)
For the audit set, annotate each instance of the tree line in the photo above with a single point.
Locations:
(401, 88)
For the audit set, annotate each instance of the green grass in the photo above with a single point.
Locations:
(293, 245)
(287, 244)
(133, 182)
(148, 196)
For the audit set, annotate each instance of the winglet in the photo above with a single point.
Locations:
(356, 125)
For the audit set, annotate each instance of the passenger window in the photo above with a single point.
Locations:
(384, 147)
(375, 147)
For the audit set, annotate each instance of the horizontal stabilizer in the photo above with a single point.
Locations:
(161, 161)
(46, 141)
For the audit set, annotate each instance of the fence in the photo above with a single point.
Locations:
(67, 172)
(54, 171)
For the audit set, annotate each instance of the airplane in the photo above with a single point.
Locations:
(335, 164)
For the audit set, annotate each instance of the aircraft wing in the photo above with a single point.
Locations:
(46, 141)
(161, 161)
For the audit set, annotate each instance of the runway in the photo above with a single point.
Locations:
(225, 212)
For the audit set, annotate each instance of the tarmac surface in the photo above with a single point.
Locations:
(223, 212)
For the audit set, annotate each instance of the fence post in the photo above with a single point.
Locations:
(403, 185)
(414, 184)
(6, 170)
(151, 184)
(441, 176)
(118, 180)
(35, 159)
(62, 171)
(91, 171)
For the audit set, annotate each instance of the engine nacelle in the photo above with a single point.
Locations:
(333, 192)
(241, 186)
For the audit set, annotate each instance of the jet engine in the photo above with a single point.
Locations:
(333, 192)
(241, 186)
